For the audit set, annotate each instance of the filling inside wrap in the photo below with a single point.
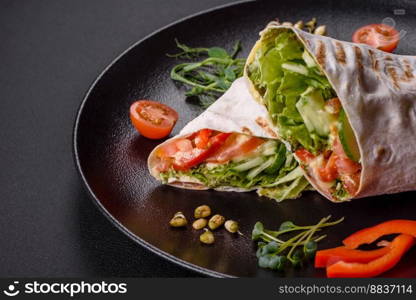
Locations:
(212, 159)
(307, 113)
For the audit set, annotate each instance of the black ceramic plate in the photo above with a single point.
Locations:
(111, 155)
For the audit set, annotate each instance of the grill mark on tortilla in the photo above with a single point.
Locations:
(321, 54)
(262, 122)
(340, 53)
(306, 41)
(376, 66)
(246, 130)
(393, 76)
(360, 68)
(359, 57)
(374, 61)
(408, 71)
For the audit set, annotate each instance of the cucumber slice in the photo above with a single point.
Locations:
(311, 108)
(279, 160)
(292, 175)
(308, 59)
(269, 148)
(347, 138)
(254, 172)
(250, 164)
(296, 68)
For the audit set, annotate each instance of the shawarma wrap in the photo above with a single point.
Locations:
(229, 147)
(348, 111)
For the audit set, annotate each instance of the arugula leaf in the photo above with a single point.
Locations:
(217, 52)
(210, 72)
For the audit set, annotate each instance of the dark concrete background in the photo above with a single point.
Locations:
(50, 52)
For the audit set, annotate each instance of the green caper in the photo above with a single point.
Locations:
(207, 237)
(320, 30)
(199, 224)
(299, 24)
(216, 221)
(231, 226)
(178, 220)
(202, 211)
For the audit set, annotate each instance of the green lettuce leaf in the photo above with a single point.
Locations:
(281, 87)
(227, 175)
(285, 191)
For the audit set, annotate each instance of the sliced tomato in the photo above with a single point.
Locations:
(164, 164)
(329, 172)
(252, 144)
(347, 169)
(184, 145)
(197, 156)
(351, 183)
(230, 143)
(152, 119)
(167, 150)
(237, 145)
(346, 166)
(333, 106)
(202, 138)
(304, 155)
(337, 147)
(380, 36)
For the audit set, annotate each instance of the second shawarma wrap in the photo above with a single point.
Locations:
(347, 110)
(229, 147)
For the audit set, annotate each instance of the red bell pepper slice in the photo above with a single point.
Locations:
(327, 257)
(201, 155)
(398, 248)
(369, 235)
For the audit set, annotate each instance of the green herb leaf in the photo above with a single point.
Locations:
(257, 231)
(271, 247)
(274, 253)
(297, 259)
(310, 248)
(236, 49)
(264, 261)
(287, 225)
(217, 52)
(277, 262)
(221, 83)
(209, 74)
(229, 74)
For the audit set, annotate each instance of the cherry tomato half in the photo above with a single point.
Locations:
(152, 119)
(380, 36)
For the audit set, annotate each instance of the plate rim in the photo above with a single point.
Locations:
(138, 240)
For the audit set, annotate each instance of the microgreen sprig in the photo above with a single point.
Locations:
(209, 77)
(271, 249)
